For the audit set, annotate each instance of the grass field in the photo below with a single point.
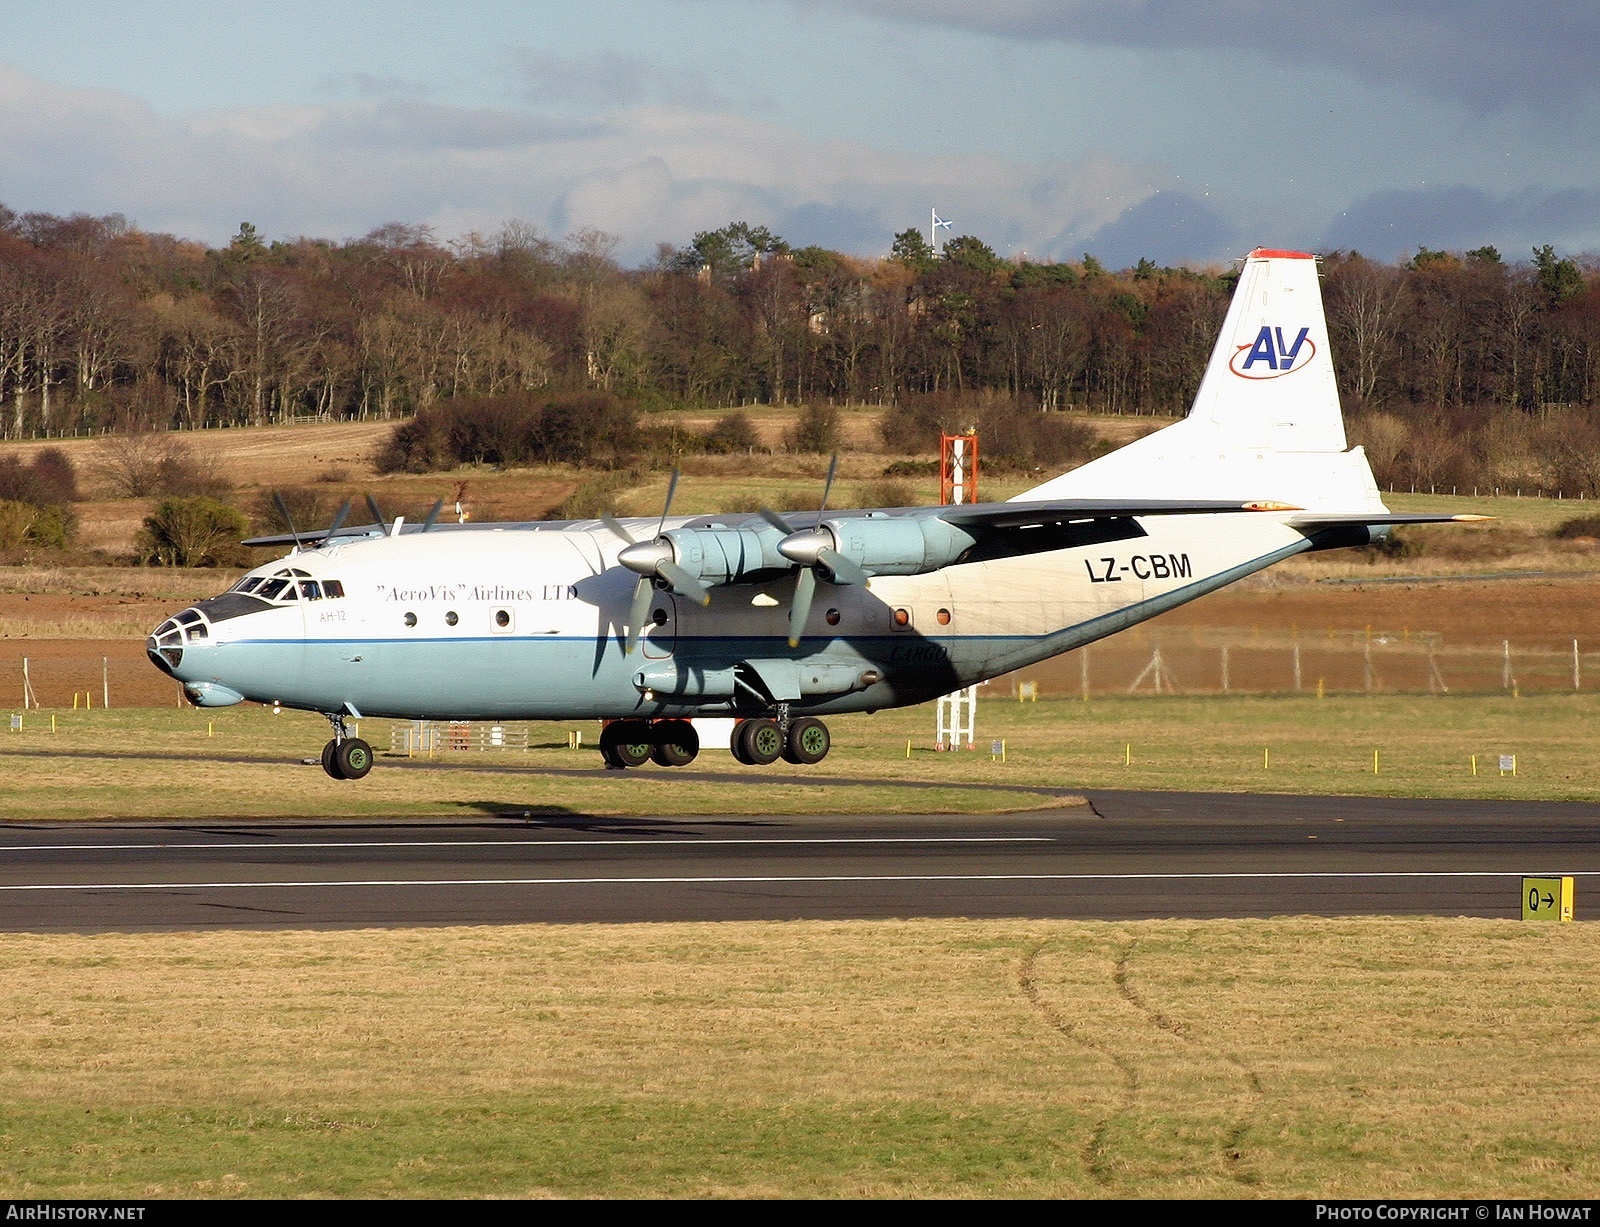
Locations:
(245, 761)
(1286, 1058)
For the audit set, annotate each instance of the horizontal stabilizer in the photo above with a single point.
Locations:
(1313, 519)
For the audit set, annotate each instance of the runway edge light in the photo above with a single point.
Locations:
(1547, 898)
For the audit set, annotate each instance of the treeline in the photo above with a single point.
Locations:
(1448, 361)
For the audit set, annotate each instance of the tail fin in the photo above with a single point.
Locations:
(1266, 423)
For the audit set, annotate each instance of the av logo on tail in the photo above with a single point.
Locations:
(1271, 354)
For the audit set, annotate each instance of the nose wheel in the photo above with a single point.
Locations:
(345, 757)
(349, 759)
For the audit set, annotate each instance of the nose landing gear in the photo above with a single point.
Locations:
(345, 757)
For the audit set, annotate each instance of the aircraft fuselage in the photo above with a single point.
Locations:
(530, 623)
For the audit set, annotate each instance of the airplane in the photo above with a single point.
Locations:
(781, 620)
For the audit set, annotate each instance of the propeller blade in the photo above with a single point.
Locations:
(433, 516)
(841, 568)
(339, 519)
(833, 467)
(616, 529)
(683, 583)
(805, 589)
(642, 592)
(776, 520)
(377, 514)
(672, 489)
(288, 520)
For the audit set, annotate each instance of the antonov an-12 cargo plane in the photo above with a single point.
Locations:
(779, 620)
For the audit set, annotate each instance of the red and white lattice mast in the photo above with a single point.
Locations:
(958, 468)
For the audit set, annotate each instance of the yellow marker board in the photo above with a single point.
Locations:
(1547, 898)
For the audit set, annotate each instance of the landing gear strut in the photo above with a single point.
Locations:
(345, 757)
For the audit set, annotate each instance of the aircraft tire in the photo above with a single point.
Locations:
(626, 743)
(761, 741)
(673, 743)
(808, 741)
(736, 743)
(353, 758)
(328, 763)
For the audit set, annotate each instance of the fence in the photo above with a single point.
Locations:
(1232, 661)
(430, 737)
(1139, 661)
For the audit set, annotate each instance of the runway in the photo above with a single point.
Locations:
(1125, 856)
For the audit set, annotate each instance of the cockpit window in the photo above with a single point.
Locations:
(332, 588)
(311, 590)
(271, 588)
(247, 584)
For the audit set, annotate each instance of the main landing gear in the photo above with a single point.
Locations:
(764, 740)
(345, 757)
(632, 743)
(755, 742)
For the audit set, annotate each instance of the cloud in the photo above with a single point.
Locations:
(1486, 54)
(1168, 228)
(607, 80)
(654, 172)
(647, 173)
(1393, 225)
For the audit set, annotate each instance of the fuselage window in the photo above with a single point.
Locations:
(944, 617)
(332, 588)
(502, 618)
(902, 617)
(411, 619)
(450, 619)
(271, 588)
(311, 590)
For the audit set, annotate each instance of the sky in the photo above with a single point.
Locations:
(1185, 131)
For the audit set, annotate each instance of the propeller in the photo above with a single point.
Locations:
(433, 515)
(339, 519)
(377, 514)
(653, 561)
(288, 520)
(813, 549)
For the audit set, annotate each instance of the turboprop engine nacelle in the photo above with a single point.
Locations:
(714, 556)
(880, 544)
